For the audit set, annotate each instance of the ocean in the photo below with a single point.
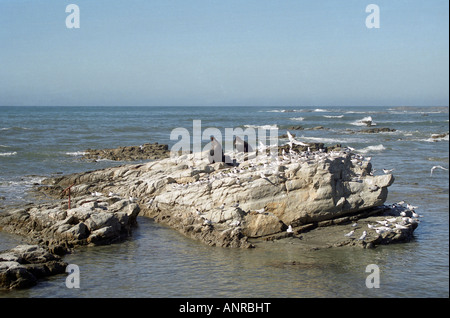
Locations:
(156, 261)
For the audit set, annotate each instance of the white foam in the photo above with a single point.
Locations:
(15, 128)
(333, 116)
(364, 122)
(262, 126)
(76, 153)
(319, 110)
(8, 154)
(297, 118)
(372, 149)
(329, 140)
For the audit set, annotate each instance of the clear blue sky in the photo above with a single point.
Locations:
(227, 52)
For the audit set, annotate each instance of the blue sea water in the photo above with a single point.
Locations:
(38, 142)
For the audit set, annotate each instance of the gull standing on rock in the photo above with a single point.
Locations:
(289, 229)
(349, 234)
(260, 210)
(363, 236)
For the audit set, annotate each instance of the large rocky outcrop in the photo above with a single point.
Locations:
(228, 205)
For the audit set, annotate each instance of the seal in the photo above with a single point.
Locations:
(242, 145)
(216, 153)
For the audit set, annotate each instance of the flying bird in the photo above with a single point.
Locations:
(435, 167)
(293, 141)
(386, 171)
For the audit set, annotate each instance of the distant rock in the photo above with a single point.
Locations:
(130, 153)
(377, 130)
(438, 137)
(295, 128)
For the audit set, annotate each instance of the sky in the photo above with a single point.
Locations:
(224, 53)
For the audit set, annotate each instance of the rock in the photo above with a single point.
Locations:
(88, 222)
(320, 187)
(295, 128)
(22, 266)
(377, 130)
(131, 153)
(436, 137)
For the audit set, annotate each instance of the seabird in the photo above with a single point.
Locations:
(289, 229)
(435, 167)
(415, 215)
(293, 141)
(386, 171)
(222, 206)
(262, 147)
(96, 194)
(260, 210)
(382, 229)
(363, 236)
(349, 233)
(399, 226)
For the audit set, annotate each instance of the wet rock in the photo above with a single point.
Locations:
(377, 130)
(22, 266)
(89, 221)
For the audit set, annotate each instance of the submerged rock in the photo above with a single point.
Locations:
(377, 130)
